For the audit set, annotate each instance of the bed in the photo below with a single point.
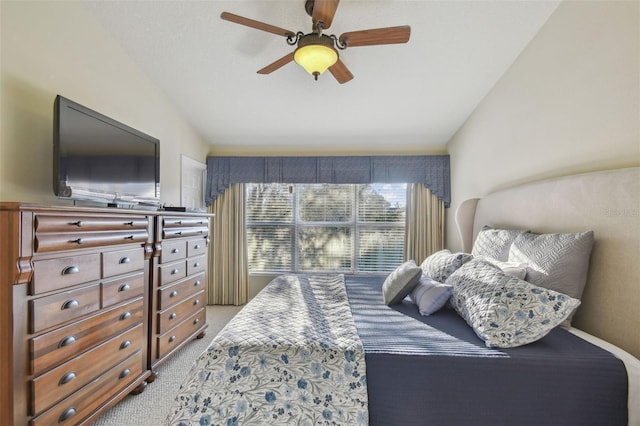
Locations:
(327, 349)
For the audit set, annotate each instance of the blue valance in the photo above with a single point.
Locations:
(430, 170)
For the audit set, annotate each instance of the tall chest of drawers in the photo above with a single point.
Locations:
(178, 297)
(74, 289)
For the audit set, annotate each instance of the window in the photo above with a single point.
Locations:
(325, 227)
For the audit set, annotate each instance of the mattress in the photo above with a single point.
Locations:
(435, 370)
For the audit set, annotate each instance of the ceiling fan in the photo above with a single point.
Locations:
(316, 52)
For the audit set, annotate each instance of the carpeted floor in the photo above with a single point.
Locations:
(150, 407)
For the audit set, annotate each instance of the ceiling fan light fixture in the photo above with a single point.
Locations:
(315, 54)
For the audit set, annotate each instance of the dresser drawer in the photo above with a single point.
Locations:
(196, 265)
(173, 250)
(174, 337)
(60, 382)
(175, 293)
(51, 310)
(47, 242)
(51, 349)
(196, 247)
(173, 316)
(55, 274)
(171, 272)
(122, 261)
(70, 224)
(184, 222)
(82, 403)
(123, 288)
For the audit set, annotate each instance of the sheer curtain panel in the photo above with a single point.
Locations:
(228, 276)
(424, 231)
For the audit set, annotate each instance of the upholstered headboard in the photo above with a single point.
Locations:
(607, 202)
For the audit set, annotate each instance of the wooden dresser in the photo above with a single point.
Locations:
(90, 304)
(177, 296)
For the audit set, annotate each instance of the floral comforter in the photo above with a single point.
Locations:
(292, 355)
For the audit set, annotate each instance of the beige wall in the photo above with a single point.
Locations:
(569, 103)
(51, 48)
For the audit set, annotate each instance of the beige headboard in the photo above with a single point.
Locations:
(606, 202)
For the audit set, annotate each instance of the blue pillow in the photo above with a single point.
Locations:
(400, 282)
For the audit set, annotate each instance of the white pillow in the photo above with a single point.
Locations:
(513, 269)
(443, 263)
(504, 311)
(494, 243)
(400, 282)
(430, 295)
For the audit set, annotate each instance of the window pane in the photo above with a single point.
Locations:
(314, 228)
(269, 248)
(269, 203)
(325, 203)
(382, 202)
(380, 249)
(324, 248)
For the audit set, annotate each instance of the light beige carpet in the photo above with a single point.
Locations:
(151, 406)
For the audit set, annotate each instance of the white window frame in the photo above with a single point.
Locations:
(296, 225)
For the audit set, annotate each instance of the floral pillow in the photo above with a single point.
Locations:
(441, 264)
(505, 311)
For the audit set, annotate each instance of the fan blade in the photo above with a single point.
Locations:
(277, 64)
(389, 35)
(256, 24)
(324, 10)
(340, 72)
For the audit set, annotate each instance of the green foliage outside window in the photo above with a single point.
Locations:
(325, 228)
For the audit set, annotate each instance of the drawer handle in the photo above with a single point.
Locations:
(125, 316)
(68, 413)
(125, 344)
(172, 338)
(200, 231)
(77, 241)
(172, 316)
(125, 373)
(67, 378)
(197, 264)
(175, 271)
(130, 223)
(77, 223)
(179, 233)
(124, 287)
(69, 270)
(178, 222)
(195, 321)
(175, 250)
(196, 247)
(125, 259)
(173, 293)
(129, 237)
(196, 302)
(196, 283)
(70, 304)
(69, 340)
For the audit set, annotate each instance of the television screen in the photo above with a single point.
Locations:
(100, 159)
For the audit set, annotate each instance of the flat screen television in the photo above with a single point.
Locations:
(99, 159)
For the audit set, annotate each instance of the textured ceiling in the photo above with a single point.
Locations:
(406, 97)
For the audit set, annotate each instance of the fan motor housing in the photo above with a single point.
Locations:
(313, 38)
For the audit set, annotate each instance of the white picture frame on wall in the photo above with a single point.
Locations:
(193, 182)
